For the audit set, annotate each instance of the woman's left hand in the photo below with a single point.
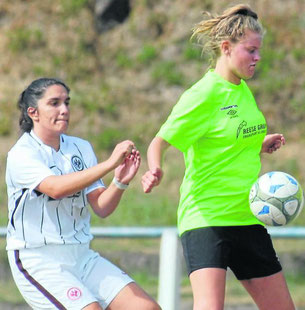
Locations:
(272, 142)
(126, 171)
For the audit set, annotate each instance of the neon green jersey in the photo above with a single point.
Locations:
(219, 128)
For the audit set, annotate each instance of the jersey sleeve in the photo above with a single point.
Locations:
(189, 119)
(27, 168)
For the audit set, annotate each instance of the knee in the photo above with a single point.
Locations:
(153, 306)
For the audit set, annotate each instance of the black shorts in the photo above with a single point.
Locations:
(246, 250)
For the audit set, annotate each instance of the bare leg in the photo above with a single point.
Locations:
(133, 297)
(208, 285)
(93, 306)
(270, 292)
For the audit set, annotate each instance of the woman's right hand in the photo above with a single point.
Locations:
(121, 151)
(151, 178)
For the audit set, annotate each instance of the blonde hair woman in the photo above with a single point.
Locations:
(221, 132)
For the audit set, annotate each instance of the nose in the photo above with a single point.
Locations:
(64, 108)
(257, 56)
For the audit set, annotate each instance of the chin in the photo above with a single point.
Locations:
(247, 77)
(63, 130)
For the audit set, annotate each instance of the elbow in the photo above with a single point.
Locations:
(53, 188)
(102, 213)
(56, 196)
(57, 193)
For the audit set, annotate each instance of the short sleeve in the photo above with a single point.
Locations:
(189, 119)
(27, 168)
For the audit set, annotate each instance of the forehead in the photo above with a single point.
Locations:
(251, 38)
(55, 91)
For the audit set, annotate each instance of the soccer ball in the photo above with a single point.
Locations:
(276, 198)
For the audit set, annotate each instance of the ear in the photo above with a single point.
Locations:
(32, 113)
(226, 47)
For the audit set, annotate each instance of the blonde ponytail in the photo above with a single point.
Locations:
(231, 25)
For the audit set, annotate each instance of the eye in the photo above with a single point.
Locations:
(67, 101)
(54, 103)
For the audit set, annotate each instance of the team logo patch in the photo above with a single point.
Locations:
(247, 131)
(74, 293)
(232, 112)
(240, 127)
(77, 163)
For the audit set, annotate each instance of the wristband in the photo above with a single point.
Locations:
(119, 184)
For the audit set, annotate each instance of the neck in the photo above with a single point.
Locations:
(48, 138)
(223, 70)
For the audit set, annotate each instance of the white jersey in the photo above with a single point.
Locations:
(36, 219)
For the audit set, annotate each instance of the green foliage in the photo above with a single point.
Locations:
(297, 105)
(168, 72)
(191, 52)
(148, 282)
(298, 54)
(3, 201)
(107, 139)
(269, 54)
(139, 209)
(73, 6)
(5, 125)
(40, 70)
(88, 103)
(23, 38)
(147, 54)
(123, 60)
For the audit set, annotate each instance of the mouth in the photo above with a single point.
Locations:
(252, 68)
(62, 121)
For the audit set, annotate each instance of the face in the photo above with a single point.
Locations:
(243, 56)
(52, 114)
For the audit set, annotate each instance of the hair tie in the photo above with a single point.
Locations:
(246, 12)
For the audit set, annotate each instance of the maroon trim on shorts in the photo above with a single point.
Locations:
(40, 288)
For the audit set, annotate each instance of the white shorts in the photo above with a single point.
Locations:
(65, 277)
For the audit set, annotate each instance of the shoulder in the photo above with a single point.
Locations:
(199, 96)
(24, 145)
(202, 89)
(25, 151)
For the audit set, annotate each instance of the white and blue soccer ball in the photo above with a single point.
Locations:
(276, 198)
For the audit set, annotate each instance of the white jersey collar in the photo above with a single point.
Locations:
(47, 147)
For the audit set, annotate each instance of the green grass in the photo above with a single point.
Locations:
(139, 209)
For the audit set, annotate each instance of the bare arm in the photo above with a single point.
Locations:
(105, 201)
(155, 152)
(272, 142)
(60, 186)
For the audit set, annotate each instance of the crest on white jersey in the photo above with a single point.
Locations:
(77, 163)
